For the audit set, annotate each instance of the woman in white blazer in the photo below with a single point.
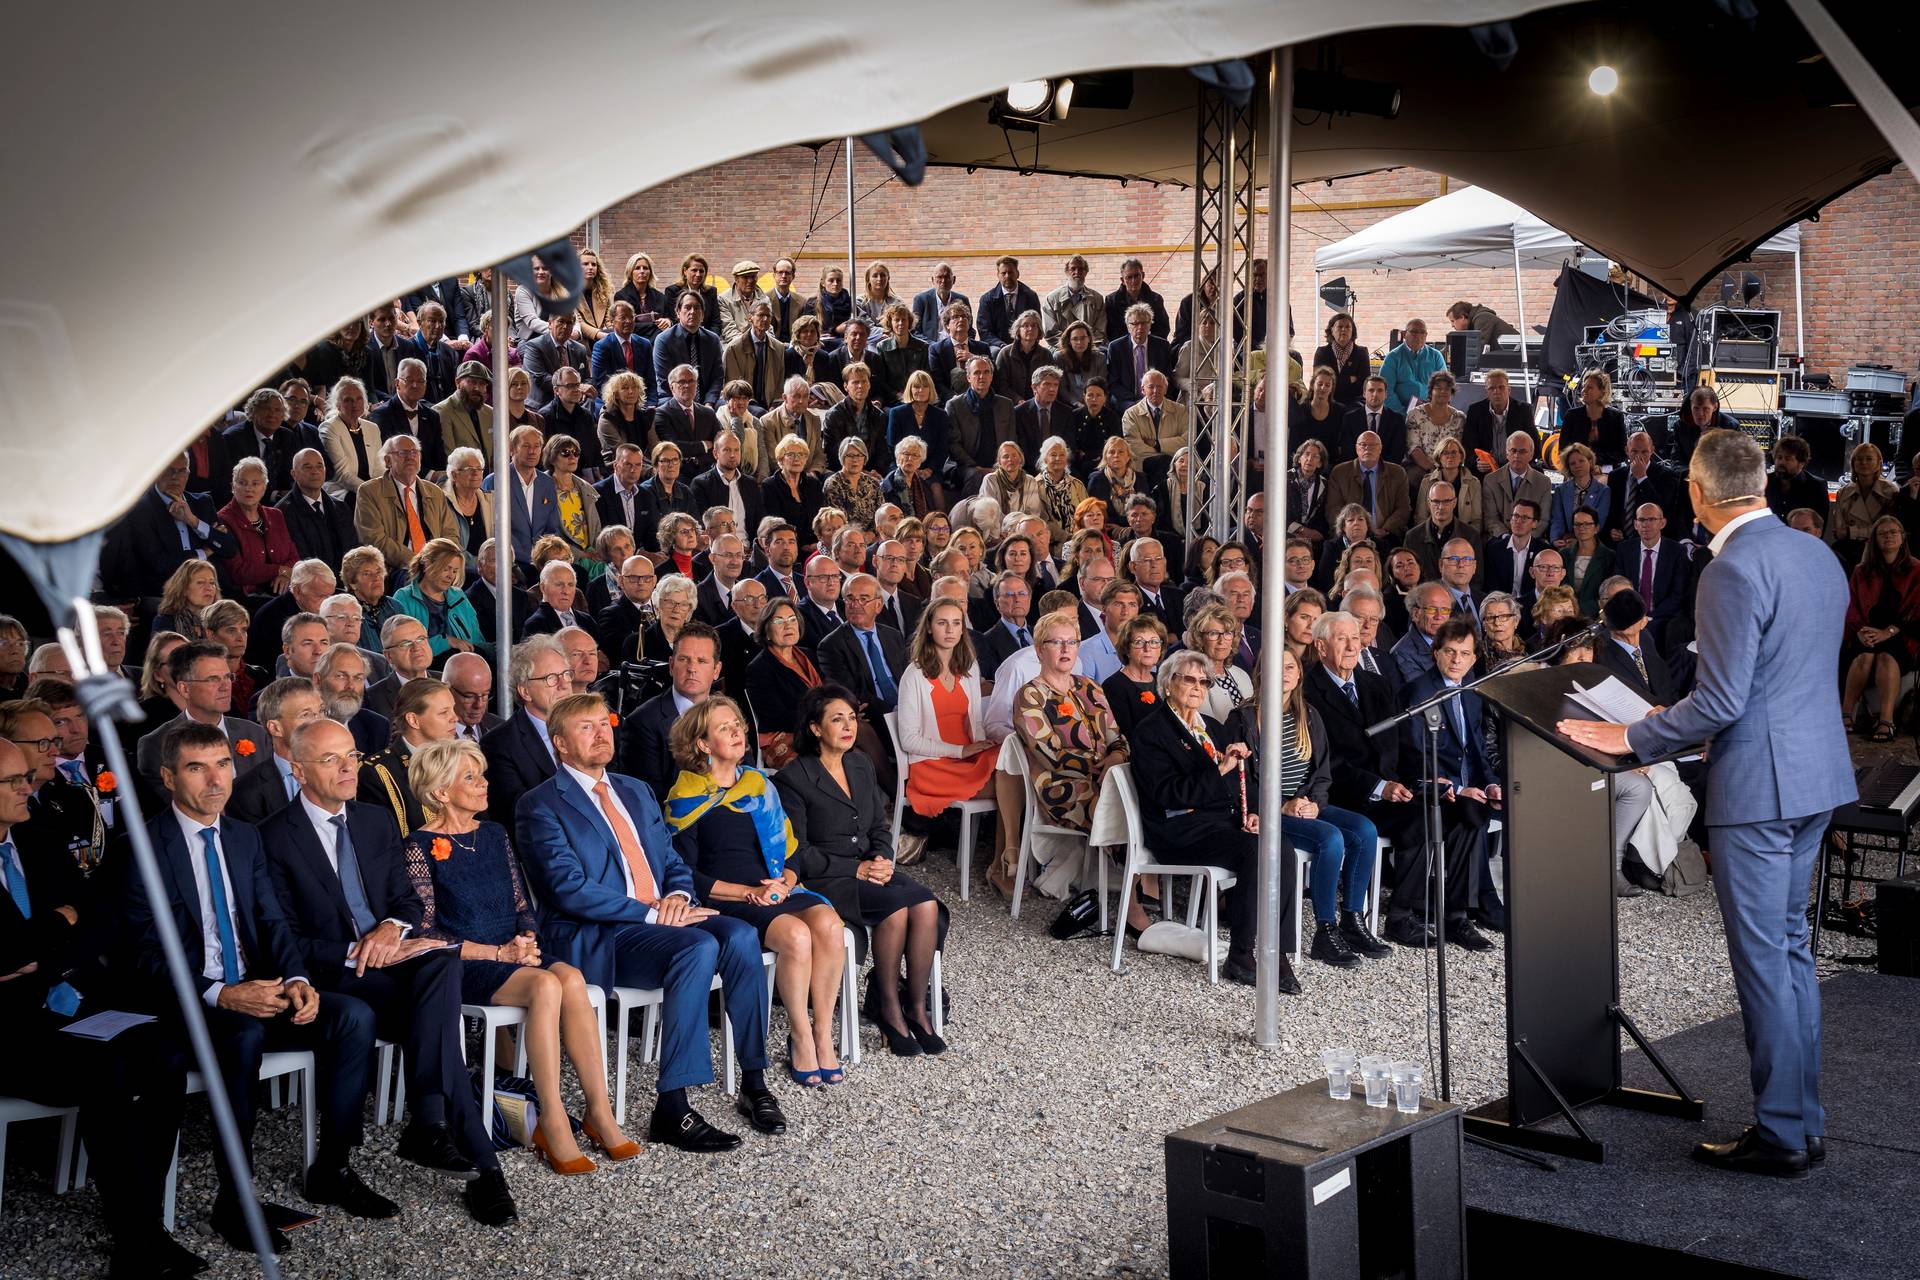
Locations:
(942, 720)
(351, 439)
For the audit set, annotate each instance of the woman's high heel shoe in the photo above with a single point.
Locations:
(900, 1043)
(619, 1151)
(565, 1168)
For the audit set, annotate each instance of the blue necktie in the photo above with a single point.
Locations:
(882, 678)
(1352, 691)
(76, 771)
(293, 784)
(61, 997)
(1459, 721)
(223, 920)
(350, 882)
(1026, 637)
(1373, 511)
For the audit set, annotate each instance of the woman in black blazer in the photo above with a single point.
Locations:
(1595, 423)
(777, 679)
(844, 850)
(1189, 771)
(1347, 359)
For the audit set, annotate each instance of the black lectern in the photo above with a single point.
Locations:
(1563, 970)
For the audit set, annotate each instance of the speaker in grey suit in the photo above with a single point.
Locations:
(1770, 611)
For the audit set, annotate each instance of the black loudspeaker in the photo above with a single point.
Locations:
(1463, 351)
(1302, 1185)
(1896, 909)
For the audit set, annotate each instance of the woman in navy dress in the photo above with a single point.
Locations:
(469, 881)
(732, 832)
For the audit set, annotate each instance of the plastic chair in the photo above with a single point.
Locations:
(274, 1067)
(1032, 826)
(651, 999)
(850, 1010)
(16, 1109)
(1140, 861)
(967, 809)
(389, 1083)
(492, 1017)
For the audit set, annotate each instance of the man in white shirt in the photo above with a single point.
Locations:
(470, 677)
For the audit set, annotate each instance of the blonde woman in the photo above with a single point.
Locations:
(350, 439)
(1214, 633)
(596, 296)
(191, 587)
(1862, 501)
(474, 897)
(1594, 422)
(649, 304)
(1452, 466)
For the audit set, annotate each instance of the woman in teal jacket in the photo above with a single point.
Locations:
(434, 597)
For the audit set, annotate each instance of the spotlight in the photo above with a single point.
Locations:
(1031, 103)
(1336, 294)
(1603, 80)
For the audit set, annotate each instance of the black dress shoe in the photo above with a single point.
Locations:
(690, 1133)
(343, 1189)
(431, 1146)
(1409, 932)
(1751, 1153)
(1353, 927)
(1462, 934)
(762, 1110)
(488, 1201)
(1494, 921)
(1330, 947)
(1816, 1151)
(159, 1257)
(1245, 974)
(231, 1226)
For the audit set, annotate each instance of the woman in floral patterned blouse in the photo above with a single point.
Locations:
(1066, 726)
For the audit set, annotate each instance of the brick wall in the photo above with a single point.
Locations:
(1861, 260)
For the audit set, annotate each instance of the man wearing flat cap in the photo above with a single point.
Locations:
(466, 419)
(736, 304)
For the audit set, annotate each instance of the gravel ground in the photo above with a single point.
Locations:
(1032, 1148)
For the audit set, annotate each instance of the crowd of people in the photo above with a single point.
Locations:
(730, 624)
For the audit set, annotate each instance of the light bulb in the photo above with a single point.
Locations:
(1603, 80)
(1027, 96)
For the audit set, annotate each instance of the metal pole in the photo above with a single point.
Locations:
(1273, 603)
(1229, 333)
(1799, 307)
(853, 243)
(1198, 468)
(1520, 298)
(503, 587)
(593, 233)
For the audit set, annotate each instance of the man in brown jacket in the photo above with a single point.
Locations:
(398, 513)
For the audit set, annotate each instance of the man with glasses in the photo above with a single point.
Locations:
(1459, 566)
(284, 706)
(1376, 484)
(409, 653)
(738, 647)
(408, 414)
(1440, 527)
(347, 624)
(520, 753)
(1013, 600)
(633, 612)
(398, 513)
(1659, 568)
(568, 413)
(727, 555)
(340, 875)
(341, 678)
(63, 814)
(1549, 570)
(1429, 605)
(865, 654)
(1147, 562)
(681, 416)
(470, 677)
(820, 611)
(1297, 565)
(202, 688)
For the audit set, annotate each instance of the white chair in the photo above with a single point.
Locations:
(850, 1011)
(274, 1067)
(1033, 826)
(848, 1017)
(968, 809)
(389, 1083)
(16, 1109)
(1210, 881)
(1373, 896)
(492, 1017)
(650, 999)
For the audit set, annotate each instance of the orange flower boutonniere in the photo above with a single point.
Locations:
(613, 719)
(244, 747)
(1066, 707)
(1146, 696)
(106, 784)
(442, 848)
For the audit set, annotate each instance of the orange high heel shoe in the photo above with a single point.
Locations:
(622, 1151)
(565, 1168)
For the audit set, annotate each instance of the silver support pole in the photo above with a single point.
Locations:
(1799, 307)
(1273, 603)
(853, 242)
(593, 233)
(1231, 335)
(1319, 303)
(1520, 299)
(1198, 468)
(503, 502)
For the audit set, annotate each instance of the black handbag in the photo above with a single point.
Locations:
(1079, 918)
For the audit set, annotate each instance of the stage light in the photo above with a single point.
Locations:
(1062, 98)
(1336, 294)
(1603, 80)
(1027, 97)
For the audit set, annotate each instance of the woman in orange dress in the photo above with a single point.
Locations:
(942, 725)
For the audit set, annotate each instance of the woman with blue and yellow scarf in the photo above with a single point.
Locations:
(732, 832)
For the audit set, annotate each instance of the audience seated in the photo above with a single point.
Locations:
(1883, 626)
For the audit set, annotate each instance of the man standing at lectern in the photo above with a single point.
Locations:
(1770, 610)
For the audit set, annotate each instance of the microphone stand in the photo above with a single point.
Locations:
(1429, 713)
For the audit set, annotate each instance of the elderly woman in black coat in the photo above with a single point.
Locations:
(844, 851)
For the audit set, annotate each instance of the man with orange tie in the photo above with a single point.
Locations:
(618, 904)
(399, 514)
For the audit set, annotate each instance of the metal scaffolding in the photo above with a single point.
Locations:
(1223, 187)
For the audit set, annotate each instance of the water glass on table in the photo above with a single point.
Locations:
(1339, 1065)
(1406, 1086)
(1376, 1074)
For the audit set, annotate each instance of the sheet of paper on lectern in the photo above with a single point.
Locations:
(1613, 702)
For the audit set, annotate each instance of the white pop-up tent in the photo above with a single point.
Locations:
(1474, 227)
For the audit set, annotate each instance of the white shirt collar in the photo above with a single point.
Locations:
(586, 784)
(1726, 530)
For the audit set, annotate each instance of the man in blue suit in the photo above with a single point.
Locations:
(536, 504)
(1468, 791)
(162, 530)
(929, 303)
(617, 902)
(1132, 354)
(1769, 614)
(1004, 303)
(689, 344)
(1658, 567)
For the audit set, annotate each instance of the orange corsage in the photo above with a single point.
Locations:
(106, 784)
(442, 848)
(1066, 706)
(613, 719)
(1146, 696)
(244, 747)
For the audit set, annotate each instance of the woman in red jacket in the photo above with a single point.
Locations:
(267, 553)
(1883, 624)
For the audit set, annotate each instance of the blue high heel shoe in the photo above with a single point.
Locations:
(806, 1079)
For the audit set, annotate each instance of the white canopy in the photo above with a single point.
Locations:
(1471, 227)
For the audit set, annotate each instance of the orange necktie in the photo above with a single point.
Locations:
(415, 532)
(643, 886)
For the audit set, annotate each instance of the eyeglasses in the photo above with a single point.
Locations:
(334, 759)
(42, 745)
(1299, 559)
(557, 680)
(415, 643)
(1432, 611)
(1492, 618)
(1193, 682)
(1457, 559)
(1014, 593)
(1059, 642)
(19, 781)
(219, 679)
(477, 695)
(868, 598)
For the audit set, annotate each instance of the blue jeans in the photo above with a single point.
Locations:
(1340, 846)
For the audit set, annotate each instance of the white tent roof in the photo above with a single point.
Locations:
(1471, 227)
